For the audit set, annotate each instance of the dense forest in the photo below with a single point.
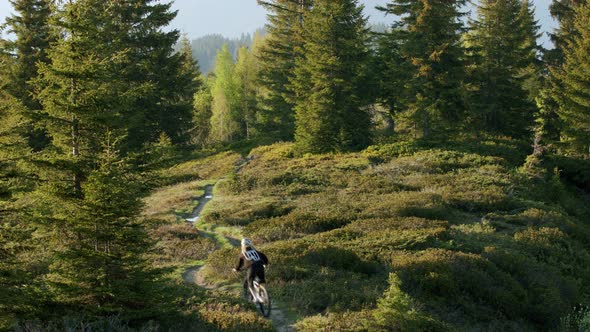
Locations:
(433, 175)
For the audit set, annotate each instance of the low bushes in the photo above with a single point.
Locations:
(233, 318)
(181, 243)
(470, 242)
(397, 311)
(242, 210)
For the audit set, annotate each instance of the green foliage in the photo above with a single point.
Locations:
(347, 321)
(202, 114)
(563, 12)
(502, 59)
(205, 48)
(90, 324)
(573, 79)
(327, 82)
(397, 311)
(247, 70)
(227, 110)
(33, 33)
(180, 244)
(103, 268)
(226, 317)
(577, 320)
(278, 56)
(226, 116)
(177, 123)
(466, 234)
(429, 70)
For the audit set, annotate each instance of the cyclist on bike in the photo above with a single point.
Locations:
(252, 260)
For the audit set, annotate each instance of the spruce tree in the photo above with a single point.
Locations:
(391, 74)
(563, 12)
(328, 77)
(83, 90)
(549, 123)
(282, 47)
(176, 123)
(100, 83)
(32, 37)
(157, 98)
(103, 269)
(572, 84)
(428, 34)
(14, 231)
(503, 64)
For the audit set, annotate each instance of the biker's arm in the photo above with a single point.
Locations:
(240, 263)
(263, 258)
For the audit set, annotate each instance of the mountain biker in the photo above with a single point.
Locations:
(252, 260)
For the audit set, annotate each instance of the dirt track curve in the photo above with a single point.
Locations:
(192, 275)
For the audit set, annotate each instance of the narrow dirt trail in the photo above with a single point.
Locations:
(192, 275)
(203, 200)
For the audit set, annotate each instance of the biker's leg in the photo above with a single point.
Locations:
(260, 274)
(249, 282)
(245, 285)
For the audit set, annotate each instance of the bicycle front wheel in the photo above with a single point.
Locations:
(264, 304)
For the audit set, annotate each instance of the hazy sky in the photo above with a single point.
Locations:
(231, 18)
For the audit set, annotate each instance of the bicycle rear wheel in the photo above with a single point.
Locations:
(264, 305)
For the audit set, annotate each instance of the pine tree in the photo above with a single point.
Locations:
(391, 73)
(563, 12)
(152, 72)
(14, 232)
(32, 32)
(329, 114)
(177, 122)
(112, 75)
(282, 47)
(503, 64)
(573, 82)
(549, 123)
(428, 36)
(83, 90)
(103, 268)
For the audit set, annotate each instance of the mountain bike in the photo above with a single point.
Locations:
(260, 297)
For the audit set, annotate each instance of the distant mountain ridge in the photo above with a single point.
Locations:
(205, 48)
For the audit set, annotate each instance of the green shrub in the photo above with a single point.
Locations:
(576, 321)
(439, 275)
(472, 242)
(548, 294)
(351, 321)
(180, 243)
(233, 318)
(219, 266)
(87, 324)
(397, 311)
(326, 289)
(242, 210)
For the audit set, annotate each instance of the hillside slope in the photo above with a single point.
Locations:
(407, 237)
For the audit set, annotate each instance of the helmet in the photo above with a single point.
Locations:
(246, 242)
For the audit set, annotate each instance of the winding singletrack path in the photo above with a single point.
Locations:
(192, 275)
